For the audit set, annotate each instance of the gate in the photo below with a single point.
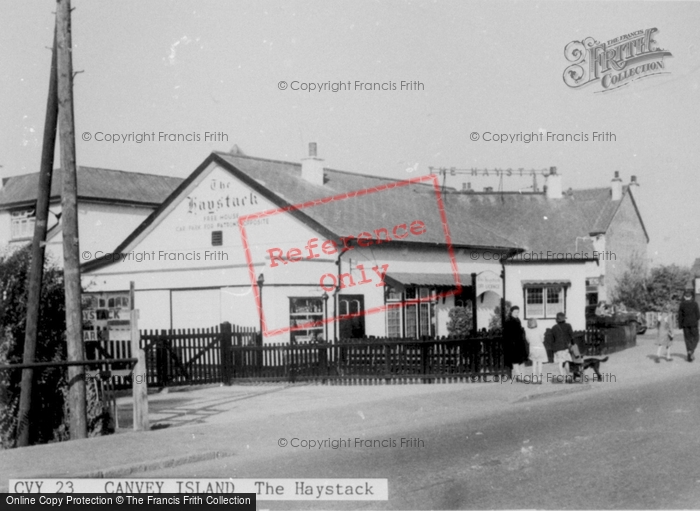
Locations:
(195, 356)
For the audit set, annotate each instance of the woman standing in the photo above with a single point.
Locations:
(538, 353)
(514, 343)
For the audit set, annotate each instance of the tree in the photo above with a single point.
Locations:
(460, 322)
(631, 287)
(665, 287)
(495, 323)
(48, 401)
(656, 290)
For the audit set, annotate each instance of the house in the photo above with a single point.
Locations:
(384, 257)
(111, 204)
(575, 244)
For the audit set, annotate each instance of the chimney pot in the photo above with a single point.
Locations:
(553, 186)
(312, 167)
(616, 187)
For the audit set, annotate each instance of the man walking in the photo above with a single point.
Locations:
(688, 317)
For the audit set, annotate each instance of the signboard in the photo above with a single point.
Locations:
(488, 281)
(102, 311)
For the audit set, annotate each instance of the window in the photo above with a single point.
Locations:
(418, 312)
(22, 224)
(306, 313)
(393, 314)
(217, 238)
(393, 322)
(544, 302)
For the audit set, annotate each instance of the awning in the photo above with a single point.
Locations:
(402, 280)
(545, 283)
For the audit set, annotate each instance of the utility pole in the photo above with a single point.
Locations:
(36, 269)
(69, 220)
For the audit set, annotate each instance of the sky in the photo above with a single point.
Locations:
(196, 67)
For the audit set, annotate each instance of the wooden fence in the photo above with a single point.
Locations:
(193, 356)
(371, 361)
(653, 317)
(227, 354)
(604, 341)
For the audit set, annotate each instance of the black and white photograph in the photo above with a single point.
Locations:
(339, 255)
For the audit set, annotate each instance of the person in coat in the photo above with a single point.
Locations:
(515, 343)
(688, 317)
(563, 337)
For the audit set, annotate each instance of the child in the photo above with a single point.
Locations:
(538, 353)
(664, 336)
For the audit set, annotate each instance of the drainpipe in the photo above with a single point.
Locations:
(335, 298)
(503, 294)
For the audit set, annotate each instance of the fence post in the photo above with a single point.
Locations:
(424, 358)
(258, 353)
(139, 389)
(323, 359)
(387, 367)
(225, 336)
(162, 359)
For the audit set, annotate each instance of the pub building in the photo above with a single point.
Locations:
(390, 258)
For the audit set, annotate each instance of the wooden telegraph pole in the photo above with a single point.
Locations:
(36, 269)
(69, 219)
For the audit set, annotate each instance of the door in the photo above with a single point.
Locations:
(354, 326)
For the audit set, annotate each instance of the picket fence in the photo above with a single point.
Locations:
(231, 354)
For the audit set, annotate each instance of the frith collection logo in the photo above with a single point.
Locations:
(615, 63)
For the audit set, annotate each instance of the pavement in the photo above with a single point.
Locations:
(205, 423)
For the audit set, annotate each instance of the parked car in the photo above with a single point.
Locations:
(597, 315)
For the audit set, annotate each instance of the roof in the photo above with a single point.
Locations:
(546, 283)
(384, 208)
(94, 184)
(695, 270)
(502, 222)
(544, 227)
(427, 279)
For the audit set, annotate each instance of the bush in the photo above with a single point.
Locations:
(460, 322)
(495, 323)
(50, 386)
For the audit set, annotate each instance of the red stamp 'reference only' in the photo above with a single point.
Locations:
(315, 248)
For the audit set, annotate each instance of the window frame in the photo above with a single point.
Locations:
(545, 295)
(411, 310)
(22, 220)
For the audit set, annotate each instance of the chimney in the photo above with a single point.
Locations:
(553, 184)
(488, 189)
(312, 167)
(633, 181)
(616, 186)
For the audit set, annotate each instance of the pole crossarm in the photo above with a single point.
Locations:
(64, 363)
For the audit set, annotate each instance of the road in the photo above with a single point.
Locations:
(613, 447)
